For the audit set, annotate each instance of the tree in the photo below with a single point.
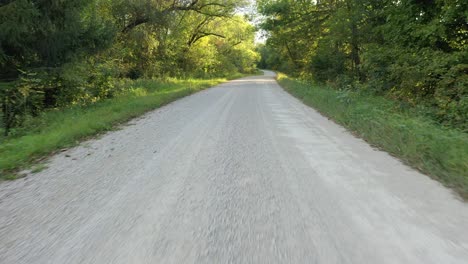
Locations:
(410, 50)
(48, 34)
(56, 53)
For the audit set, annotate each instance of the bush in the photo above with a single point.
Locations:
(19, 99)
(437, 151)
(327, 64)
(426, 77)
(451, 97)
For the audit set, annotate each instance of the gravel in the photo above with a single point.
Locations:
(240, 173)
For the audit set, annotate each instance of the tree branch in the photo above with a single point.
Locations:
(138, 21)
(192, 6)
(202, 35)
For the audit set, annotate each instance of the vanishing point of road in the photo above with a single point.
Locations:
(240, 173)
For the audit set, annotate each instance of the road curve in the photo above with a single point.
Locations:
(240, 173)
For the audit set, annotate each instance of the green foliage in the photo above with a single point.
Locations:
(327, 64)
(412, 51)
(38, 34)
(451, 97)
(439, 152)
(63, 127)
(55, 54)
(20, 98)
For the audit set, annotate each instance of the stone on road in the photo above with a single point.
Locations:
(240, 173)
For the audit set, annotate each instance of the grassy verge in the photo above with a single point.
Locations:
(439, 152)
(66, 127)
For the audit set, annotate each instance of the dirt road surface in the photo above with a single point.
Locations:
(240, 173)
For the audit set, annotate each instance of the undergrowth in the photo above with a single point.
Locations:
(437, 151)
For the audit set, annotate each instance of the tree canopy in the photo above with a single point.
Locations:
(55, 53)
(415, 51)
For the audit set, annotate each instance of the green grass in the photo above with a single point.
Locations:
(63, 128)
(440, 152)
(10, 176)
(38, 168)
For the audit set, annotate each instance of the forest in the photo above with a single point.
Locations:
(395, 73)
(56, 54)
(412, 51)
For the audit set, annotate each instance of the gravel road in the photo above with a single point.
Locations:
(240, 173)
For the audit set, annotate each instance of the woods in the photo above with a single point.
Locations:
(411, 51)
(408, 59)
(55, 54)
(395, 73)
